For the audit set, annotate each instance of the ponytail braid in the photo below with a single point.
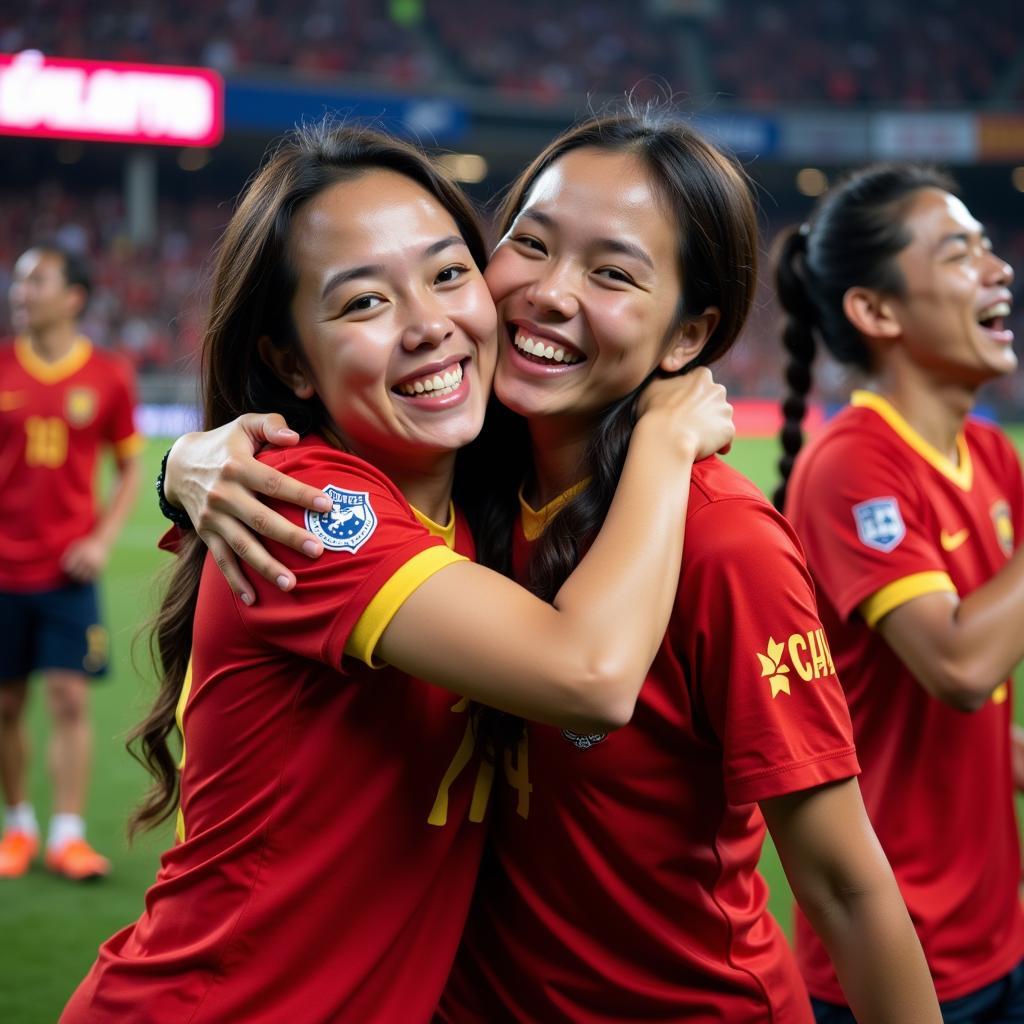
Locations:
(798, 339)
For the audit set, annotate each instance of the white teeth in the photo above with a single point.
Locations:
(999, 309)
(540, 350)
(438, 384)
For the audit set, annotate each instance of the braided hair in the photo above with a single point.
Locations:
(853, 237)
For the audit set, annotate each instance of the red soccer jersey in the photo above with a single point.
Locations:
(883, 518)
(623, 881)
(54, 417)
(329, 835)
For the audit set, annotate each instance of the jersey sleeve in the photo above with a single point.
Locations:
(376, 553)
(120, 426)
(862, 528)
(762, 662)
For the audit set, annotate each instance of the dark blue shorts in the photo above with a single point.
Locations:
(52, 629)
(1002, 1002)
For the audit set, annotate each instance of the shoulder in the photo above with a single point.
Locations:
(985, 436)
(110, 367)
(729, 515)
(316, 462)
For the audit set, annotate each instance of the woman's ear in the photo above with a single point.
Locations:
(287, 367)
(689, 339)
(871, 313)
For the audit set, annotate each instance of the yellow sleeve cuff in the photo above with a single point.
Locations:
(891, 596)
(129, 447)
(366, 633)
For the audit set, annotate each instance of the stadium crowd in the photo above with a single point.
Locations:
(759, 53)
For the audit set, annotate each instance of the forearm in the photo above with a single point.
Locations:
(844, 885)
(961, 650)
(988, 627)
(618, 600)
(877, 956)
(120, 503)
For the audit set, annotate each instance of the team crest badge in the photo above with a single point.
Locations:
(1003, 522)
(80, 406)
(582, 742)
(349, 524)
(879, 523)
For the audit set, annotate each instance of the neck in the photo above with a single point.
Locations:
(559, 444)
(426, 485)
(53, 343)
(936, 408)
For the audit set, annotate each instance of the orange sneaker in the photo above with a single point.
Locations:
(78, 861)
(16, 852)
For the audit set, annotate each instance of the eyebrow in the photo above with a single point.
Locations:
(611, 244)
(961, 236)
(378, 269)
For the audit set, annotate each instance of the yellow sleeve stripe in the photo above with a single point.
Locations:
(366, 633)
(894, 594)
(129, 447)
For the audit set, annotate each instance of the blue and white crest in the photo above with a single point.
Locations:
(879, 523)
(349, 524)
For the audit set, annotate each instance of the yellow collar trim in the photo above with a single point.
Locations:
(962, 475)
(50, 373)
(535, 521)
(446, 533)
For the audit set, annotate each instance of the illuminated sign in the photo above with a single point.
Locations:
(110, 102)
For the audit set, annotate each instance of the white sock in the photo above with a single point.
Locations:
(21, 818)
(64, 828)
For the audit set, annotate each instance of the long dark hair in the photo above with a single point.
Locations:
(717, 243)
(855, 233)
(253, 285)
(708, 196)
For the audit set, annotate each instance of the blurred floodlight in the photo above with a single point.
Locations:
(470, 168)
(193, 159)
(1017, 178)
(811, 182)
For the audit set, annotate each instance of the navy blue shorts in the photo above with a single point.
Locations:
(52, 629)
(1002, 1002)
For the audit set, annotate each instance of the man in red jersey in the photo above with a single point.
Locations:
(910, 523)
(61, 401)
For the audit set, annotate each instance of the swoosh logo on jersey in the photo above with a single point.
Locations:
(11, 400)
(952, 541)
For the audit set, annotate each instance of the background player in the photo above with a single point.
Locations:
(61, 401)
(911, 513)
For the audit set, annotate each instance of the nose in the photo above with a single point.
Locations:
(553, 293)
(428, 324)
(998, 271)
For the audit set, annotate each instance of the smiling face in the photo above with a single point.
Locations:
(951, 318)
(394, 320)
(587, 286)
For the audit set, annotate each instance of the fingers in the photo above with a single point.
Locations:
(236, 544)
(268, 428)
(253, 475)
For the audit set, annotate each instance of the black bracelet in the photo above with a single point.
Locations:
(176, 515)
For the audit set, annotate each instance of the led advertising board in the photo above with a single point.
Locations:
(103, 101)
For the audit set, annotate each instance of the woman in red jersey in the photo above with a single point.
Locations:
(329, 823)
(622, 880)
(910, 513)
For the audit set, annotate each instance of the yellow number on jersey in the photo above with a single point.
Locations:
(46, 441)
(518, 774)
(484, 776)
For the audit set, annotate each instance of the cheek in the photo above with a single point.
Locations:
(507, 272)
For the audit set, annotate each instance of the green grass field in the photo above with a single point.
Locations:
(49, 928)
